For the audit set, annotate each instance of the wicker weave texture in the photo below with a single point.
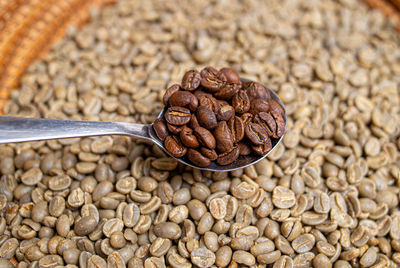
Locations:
(27, 30)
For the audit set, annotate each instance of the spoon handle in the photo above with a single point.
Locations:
(20, 129)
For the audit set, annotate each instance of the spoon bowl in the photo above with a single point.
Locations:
(20, 129)
(242, 161)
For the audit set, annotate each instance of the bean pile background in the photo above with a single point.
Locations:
(328, 196)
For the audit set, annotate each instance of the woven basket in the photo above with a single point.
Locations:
(389, 7)
(29, 27)
(27, 30)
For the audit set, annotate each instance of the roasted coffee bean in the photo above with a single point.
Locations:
(205, 137)
(246, 118)
(258, 106)
(168, 93)
(197, 158)
(223, 137)
(280, 124)
(245, 149)
(176, 130)
(228, 91)
(209, 153)
(194, 123)
(177, 116)
(191, 80)
(256, 134)
(231, 75)
(255, 90)
(206, 117)
(236, 127)
(241, 102)
(228, 157)
(160, 128)
(184, 99)
(174, 146)
(207, 100)
(276, 107)
(188, 138)
(200, 93)
(212, 79)
(225, 112)
(268, 122)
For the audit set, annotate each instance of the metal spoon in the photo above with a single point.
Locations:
(20, 129)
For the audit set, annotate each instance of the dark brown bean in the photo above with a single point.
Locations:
(223, 137)
(193, 122)
(174, 129)
(177, 116)
(280, 123)
(256, 90)
(191, 80)
(209, 153)
(188, 138)
(174, 146)
(228, 157)
(228, 91)
(225, 112)
(276, 107)
(206, 117)
(197, 158)
(212, 79)
(184, 99)
(236, 127)
(231, 75)
(268, 122)
(207, 100)
(241, 102)
(256, 134)
(171, 90)
(205, 137)
(246, 118)
(245, 149)
(258, 106)
(160, 128)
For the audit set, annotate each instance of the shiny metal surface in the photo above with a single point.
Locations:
(20, 129)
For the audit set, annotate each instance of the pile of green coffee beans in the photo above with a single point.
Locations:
(328, 196)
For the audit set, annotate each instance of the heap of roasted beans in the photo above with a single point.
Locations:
(214, 116)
